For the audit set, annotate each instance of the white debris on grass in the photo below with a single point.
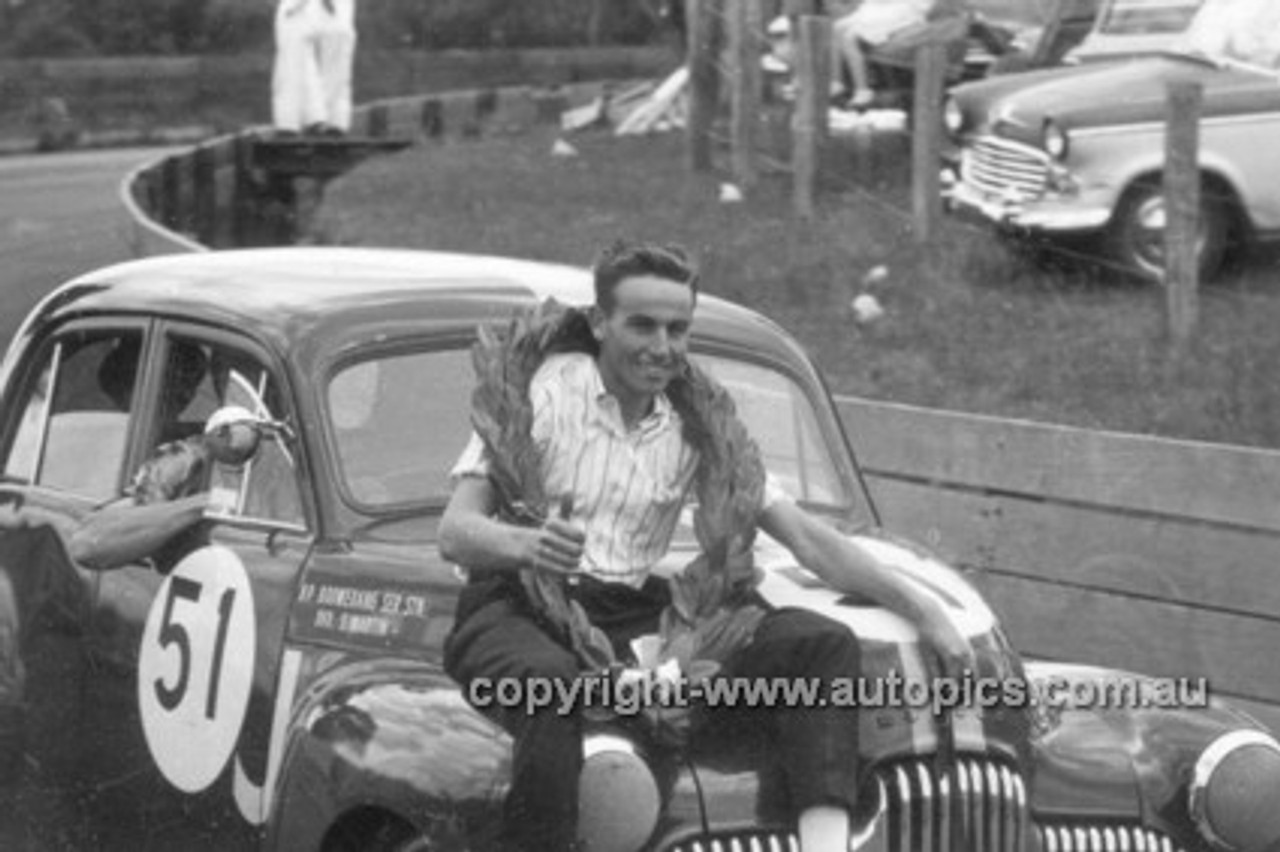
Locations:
(665, 107)
(561, 148)
(730, 194)
(875, 275)
(582, 117)
(866, 308)
(872, 121)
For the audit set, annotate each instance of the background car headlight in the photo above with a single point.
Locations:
(1235, 790)
(952, 116)
(1055, 140)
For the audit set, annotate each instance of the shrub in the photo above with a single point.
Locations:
(80, 27)
(45, 29)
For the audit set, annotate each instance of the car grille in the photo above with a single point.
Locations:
(1061, 838)
(985, 798)
(1006, 169)
(773, 841)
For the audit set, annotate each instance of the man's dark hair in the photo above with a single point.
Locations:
(626, 259)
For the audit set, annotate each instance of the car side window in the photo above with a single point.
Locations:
(400, 421)
(201, 376)
(75, 422)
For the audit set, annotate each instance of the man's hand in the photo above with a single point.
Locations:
(952, 654)
(557, 545)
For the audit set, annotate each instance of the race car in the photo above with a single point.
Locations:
(278, 685)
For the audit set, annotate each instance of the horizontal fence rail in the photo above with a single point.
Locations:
(1146, 554)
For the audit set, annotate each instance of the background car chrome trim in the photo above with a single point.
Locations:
(1007, 170)
(1159, 126)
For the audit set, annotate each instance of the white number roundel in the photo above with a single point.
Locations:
(195, 667)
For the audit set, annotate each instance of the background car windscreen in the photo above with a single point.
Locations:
(400, 422)
(1146, 17)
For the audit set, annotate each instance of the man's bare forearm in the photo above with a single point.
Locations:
(471, 536)
(848, 567)
(477, 541)
(123, 533)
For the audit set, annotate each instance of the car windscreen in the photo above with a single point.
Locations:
(1026, 12)
(400, 421)
(1243, 31)
(1146, 17)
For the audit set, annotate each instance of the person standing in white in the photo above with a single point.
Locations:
(336, 50)
(311, 80)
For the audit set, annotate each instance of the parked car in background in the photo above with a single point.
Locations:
(1125, 28)
(1080, 150)
(281, 686)
(996, 36)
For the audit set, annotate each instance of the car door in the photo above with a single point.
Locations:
(69, 411)
(193, 649)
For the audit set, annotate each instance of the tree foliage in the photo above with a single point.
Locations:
(116, 27)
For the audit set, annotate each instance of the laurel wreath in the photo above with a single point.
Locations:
(711, 614)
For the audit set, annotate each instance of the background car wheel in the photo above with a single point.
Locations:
(1136, 234)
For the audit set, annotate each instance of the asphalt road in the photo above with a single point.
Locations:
(59, 216)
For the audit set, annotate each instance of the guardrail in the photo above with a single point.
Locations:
(217, 195)
(1153, 555)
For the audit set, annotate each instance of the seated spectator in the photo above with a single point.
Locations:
(872, 24)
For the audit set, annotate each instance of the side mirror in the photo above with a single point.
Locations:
(233, 434)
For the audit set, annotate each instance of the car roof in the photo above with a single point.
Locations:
(294, 296)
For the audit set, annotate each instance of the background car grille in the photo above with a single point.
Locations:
(1006, 169)
(981, 807)
(1060, 838)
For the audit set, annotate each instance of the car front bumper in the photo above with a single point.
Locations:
(1081, 212)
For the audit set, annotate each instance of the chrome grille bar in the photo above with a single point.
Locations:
(928, 837)
(1098, 838)
(987, 798)
(1008, 169)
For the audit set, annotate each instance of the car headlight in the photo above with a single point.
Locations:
(1055, 141)
(952, 116)
(1234, 791)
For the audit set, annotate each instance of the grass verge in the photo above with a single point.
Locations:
(969, 325)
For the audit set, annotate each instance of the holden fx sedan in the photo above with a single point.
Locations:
(1080, 150)
(278, 685)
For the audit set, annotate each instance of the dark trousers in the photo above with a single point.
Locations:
(817, 746)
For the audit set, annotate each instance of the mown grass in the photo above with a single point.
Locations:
(969, 325)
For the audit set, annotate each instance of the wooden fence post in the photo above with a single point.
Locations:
(809, 120)
(926, 138)
(1182, 211)
(746, 30)
(703, 17)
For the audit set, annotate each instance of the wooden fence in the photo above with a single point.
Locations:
(1152, 555)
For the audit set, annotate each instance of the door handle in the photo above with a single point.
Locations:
(276, 543)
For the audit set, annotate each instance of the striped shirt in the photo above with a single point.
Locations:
(628, 485)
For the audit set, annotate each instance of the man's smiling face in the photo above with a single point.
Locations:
(644, 338)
